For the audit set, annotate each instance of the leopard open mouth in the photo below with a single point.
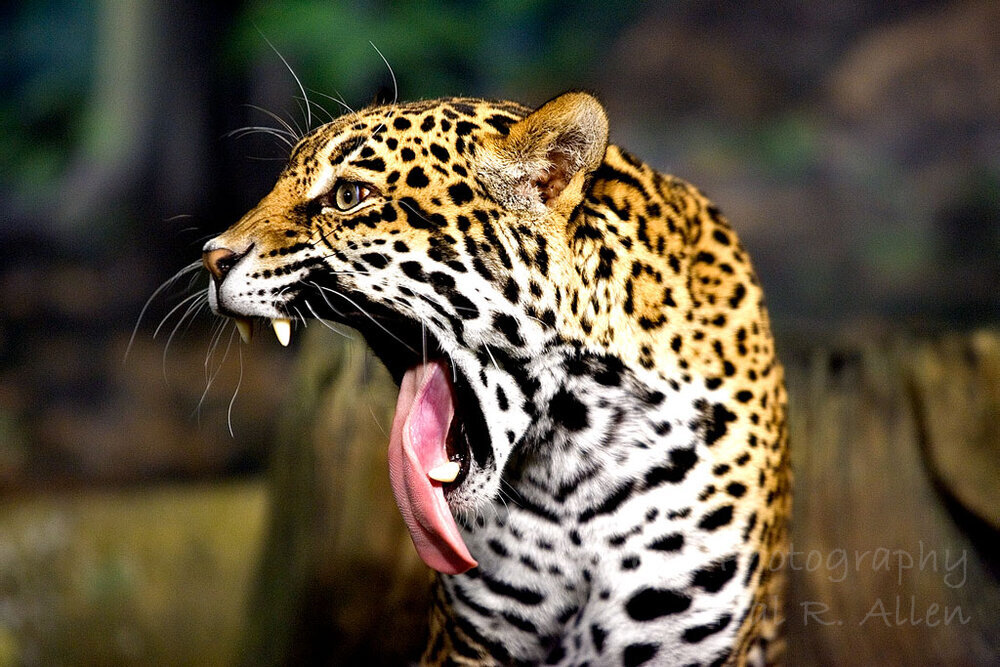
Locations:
(438, 434)
(404, 346)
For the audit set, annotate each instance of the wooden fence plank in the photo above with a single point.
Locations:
(890, 576)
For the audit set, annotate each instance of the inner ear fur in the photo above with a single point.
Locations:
(547, 152)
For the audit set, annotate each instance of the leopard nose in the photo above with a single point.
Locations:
(219, 261)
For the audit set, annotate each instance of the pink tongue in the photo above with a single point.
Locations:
(424, 411)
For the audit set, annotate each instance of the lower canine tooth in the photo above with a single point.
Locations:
(446, 472)
(243, 326)
(282, 329)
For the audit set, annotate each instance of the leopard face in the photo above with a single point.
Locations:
(562, 319)
(427, 227)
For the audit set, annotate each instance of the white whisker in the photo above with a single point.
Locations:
(416, 212)
(395, 86)
(492, 358)
(211, 379)
(186, 301)
(368, 389)
(423, 339)
(320, 107)
(236, 391)
(301, 317)
(325, 323)
(193, 266)
(298, 82)
(338, 100)
(213, 342)
(283, 137)
(286, 128)
(363, 312)
(193, 304)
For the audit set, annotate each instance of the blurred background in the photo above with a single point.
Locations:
(854, 145)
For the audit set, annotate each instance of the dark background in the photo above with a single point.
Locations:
(855, 146)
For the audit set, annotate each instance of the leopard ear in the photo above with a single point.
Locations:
(546, 158)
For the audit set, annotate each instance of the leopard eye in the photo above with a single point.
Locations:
(346, 195)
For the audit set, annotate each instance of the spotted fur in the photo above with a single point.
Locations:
(624, 469)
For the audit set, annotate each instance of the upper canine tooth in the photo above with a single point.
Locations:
(446, 472)
(282, 329)
(244, 327)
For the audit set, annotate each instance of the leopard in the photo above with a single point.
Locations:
(589, 447)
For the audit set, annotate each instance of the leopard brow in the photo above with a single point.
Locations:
(341, 152)
(337, 156)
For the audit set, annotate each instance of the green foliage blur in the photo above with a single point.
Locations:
(46, 55)
(435, 49)
(338, 50)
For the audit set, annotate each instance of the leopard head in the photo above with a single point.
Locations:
(439, 230)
